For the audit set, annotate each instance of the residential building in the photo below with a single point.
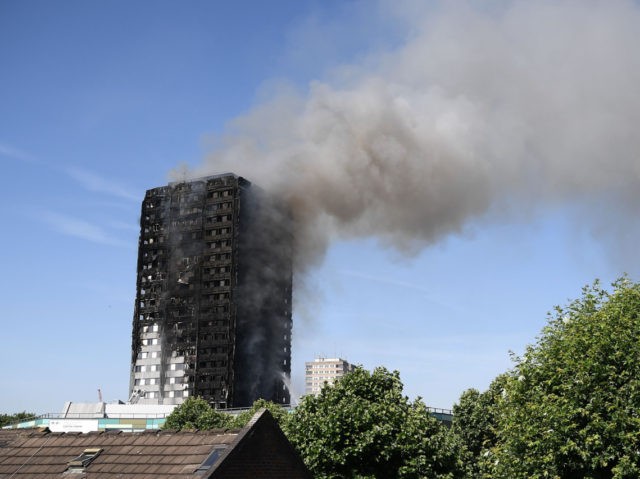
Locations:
(260, 450)
(323, 371)
(213, 296)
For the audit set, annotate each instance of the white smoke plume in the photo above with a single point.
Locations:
(497, 110)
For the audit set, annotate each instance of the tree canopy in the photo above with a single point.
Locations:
(364, 427)
(7, 419)
(475, 423)
(571, 405)
(196, 413)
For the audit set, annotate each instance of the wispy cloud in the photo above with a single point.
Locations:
(432, 297)
(434, 349)
(384, 280)
(99, 184)
(121, 225)
(82, 229)
(9, 151)
(441, 348)
(436, 367)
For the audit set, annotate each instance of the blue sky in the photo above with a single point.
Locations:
(100, 101)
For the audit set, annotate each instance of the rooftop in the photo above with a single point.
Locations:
(153, 454)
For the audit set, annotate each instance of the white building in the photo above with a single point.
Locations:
(101, 416)
(324, 370)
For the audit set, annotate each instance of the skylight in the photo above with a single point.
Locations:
(211, 459)
(83, 460)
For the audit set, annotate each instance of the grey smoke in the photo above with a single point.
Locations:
(492, 111)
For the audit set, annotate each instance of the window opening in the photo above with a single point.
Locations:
(83, 460)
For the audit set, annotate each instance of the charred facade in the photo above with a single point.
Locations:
(213, 305)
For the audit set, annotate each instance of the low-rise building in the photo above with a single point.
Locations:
(259, 450)
(100, 416)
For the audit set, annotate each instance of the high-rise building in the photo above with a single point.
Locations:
(324, 370)
(213, 296)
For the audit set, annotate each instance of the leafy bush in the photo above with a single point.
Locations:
(364, 427)
(571, 406)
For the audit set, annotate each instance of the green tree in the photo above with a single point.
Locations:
(278, 412)
(570, 407)
(364, 427)
(7, 419)
(429, 449)
(475, 419)
(196, 413)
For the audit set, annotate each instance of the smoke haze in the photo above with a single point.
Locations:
(481, 112)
